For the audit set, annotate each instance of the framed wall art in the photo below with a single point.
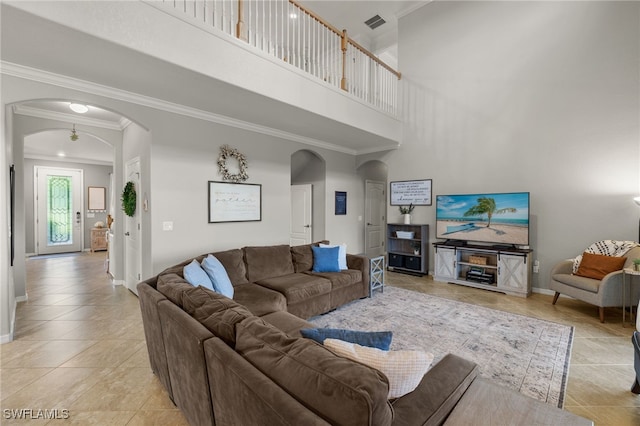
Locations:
(97, 198)
(341, 202)
(234, 202)
(416, 192)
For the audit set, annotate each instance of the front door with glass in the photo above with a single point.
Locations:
(58, 210)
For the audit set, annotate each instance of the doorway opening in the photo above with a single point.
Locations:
(308, 200)
(58, 210)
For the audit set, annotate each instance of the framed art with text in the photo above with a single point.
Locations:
(416, 192)
(234, 202)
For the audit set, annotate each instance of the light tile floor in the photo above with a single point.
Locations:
(80, 347)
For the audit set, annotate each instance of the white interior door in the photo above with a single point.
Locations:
(58, 210)
(301, 205)
(133, 231)
(374, 216)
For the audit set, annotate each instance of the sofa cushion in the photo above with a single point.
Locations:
(195, 275)
(337, 389)
(588, 284)
(218, 274)
(373, 339)
(233, 262)
(287, 323)
(596, 266)
(268, 262)
(216, 312)
(342, 278)
(303, 256)
(259, 300)
(195, 297)
(298, 287)
(172, 286)
(404, 369)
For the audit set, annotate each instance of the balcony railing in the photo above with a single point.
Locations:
(288, 31)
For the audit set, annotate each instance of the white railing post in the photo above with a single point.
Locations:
(290, 32)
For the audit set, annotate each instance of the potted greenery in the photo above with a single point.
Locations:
(636, 264)
(406, 213)
(129, 199)
(416, 247)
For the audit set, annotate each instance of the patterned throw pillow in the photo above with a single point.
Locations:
(404, 369)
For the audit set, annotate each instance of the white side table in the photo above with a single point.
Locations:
(632, 273)
(376, 274)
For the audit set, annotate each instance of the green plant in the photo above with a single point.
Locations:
(406, 210)
(636, 261)
(129, 199)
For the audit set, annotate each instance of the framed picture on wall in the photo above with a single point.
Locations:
(341, 202)
(97, 198)
(416, 192)
(234, 202)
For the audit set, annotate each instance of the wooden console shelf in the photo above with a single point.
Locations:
(408, 255)
(507, 270)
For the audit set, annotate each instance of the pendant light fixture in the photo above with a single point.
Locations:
(74, 136)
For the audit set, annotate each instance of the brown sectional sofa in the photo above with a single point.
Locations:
(243, 361)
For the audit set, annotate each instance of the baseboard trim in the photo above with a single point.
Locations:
(6, 338)
(117, 282)
(543, 291)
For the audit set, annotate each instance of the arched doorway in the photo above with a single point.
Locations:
(31, 120)
(60, 166)
(308, 200)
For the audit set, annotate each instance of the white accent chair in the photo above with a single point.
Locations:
(601, 293)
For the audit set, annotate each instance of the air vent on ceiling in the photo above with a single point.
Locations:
(374, 22)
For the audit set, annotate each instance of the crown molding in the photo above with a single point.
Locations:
(69, 118)
(67, 159)
(41, 76)
(404, 12)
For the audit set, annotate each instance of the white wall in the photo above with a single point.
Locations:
(527, 96)
(184, 158)
(7, 291)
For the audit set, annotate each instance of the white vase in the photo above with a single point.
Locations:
(407, 219)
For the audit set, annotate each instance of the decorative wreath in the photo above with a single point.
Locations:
(129, 199)
(227, 152)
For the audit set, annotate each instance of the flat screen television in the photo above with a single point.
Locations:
(499, 218)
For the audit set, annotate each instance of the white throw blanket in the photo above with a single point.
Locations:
(606, 248)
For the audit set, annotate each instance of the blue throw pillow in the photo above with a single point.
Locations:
(373, 339)
(195, 275)
(219, 278)
(325, 259)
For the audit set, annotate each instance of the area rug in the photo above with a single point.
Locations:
(523, 353)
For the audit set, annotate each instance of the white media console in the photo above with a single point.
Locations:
(506, 270)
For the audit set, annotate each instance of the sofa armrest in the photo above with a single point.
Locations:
(437, 394)
(361, 263)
